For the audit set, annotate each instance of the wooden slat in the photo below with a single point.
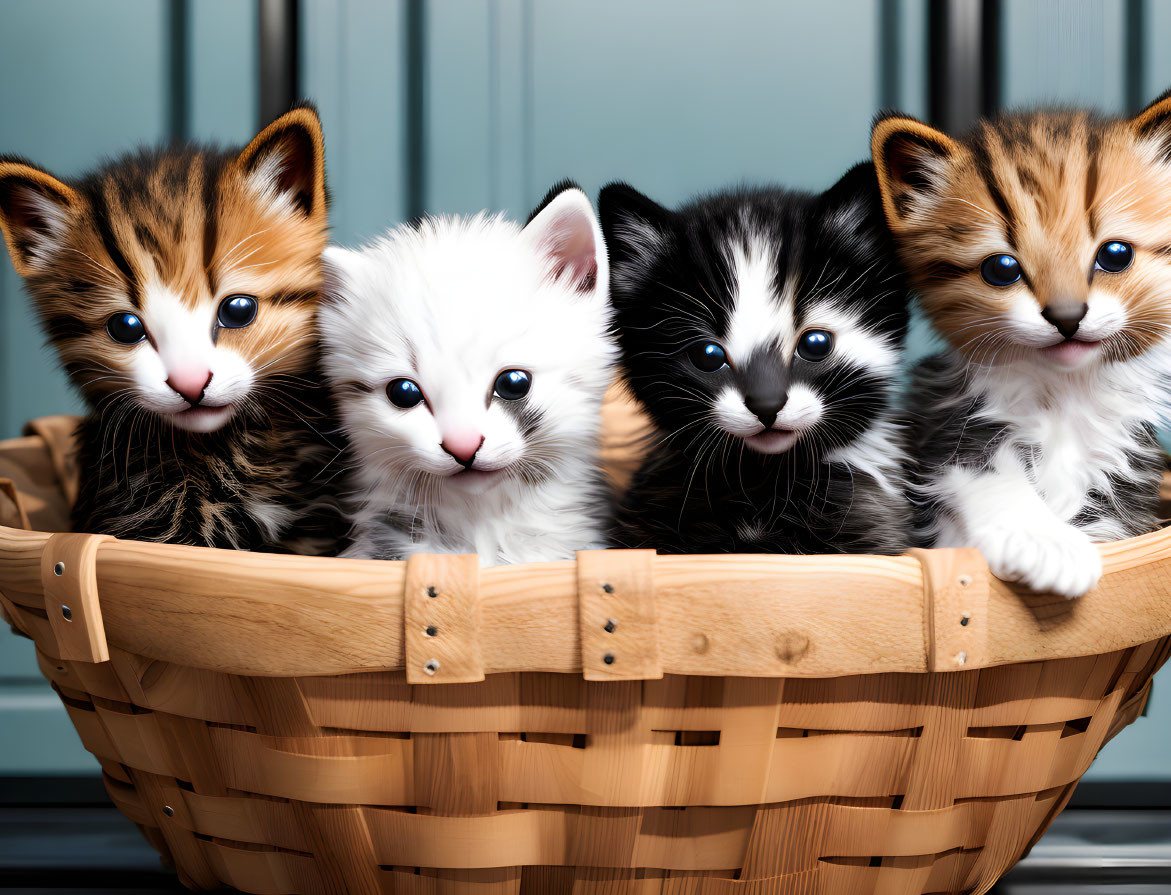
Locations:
(616, 612)
(442, 639)
(70, 584)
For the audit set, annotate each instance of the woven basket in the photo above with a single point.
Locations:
(625, 723)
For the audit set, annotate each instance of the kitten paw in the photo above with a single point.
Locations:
(1060, 560)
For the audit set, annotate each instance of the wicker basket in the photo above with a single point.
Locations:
(625, 723)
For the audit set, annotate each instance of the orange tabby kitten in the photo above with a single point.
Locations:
(1040, 245)
(179, 287)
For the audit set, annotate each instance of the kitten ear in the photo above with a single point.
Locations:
(1154, 122)
(637, 229)
(855, 199)
(564, 230)
(35, 211)
(286, 162)
(338, 267)
(909, 158)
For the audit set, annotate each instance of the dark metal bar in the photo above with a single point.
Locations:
(278, 57)
(956, 63)
(179, 70)
(415, 131)
(991, 58)
(1135, 60)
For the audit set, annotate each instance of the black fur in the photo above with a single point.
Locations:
(701, 489)
(948, 426)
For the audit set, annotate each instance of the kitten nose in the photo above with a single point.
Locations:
(766, 407)
(1066, 316)
(190, 382)
(462, 447)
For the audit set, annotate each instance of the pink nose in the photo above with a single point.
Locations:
(462, 446)
(190, 382)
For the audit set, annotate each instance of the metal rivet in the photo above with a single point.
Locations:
(608, 588)
(965, 580)
(432, 592)
(67, 613)
(431, 666)
(430, 630)
(610, 625)
(59, 569)
(961, 658)
(169, 811)
(608, 658)
(965, 618)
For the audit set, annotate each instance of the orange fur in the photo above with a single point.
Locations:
(1046, 187)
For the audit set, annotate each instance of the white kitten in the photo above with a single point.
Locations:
(469, 358)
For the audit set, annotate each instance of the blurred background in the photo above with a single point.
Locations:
(458, 105)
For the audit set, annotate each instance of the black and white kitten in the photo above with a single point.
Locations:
(762, 330)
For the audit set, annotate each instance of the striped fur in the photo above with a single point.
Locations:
(166, 234)
(1033, 441)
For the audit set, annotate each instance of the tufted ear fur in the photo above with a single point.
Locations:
(565, 231)
(909, 158)
(637, 229)
(35, 212)
(1154, 122)
(286, 161)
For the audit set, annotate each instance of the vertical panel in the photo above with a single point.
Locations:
(1064, 51)
(352, 65)
(911, 56)
(1156, 59)
(222, 39)
(712, 95)
(77, 81)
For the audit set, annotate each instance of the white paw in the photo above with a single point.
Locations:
(1051, 559)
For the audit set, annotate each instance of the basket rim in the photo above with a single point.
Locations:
(752, 615)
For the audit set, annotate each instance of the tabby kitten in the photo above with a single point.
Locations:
(470, 358)
(179, 288)
(1040, 245)
(762, 330)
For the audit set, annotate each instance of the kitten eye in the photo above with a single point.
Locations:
(237, 311)
(126, 328)
(1000, 270)
(815, 344)
(1114, 256)
(707, 356)
(512, 385)
(404, 393)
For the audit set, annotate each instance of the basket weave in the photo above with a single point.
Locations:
(625, 723)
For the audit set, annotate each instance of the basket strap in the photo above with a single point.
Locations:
(69, 581)
(616, 609)
(443, 638)
(956, 583)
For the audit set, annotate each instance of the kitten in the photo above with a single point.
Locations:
(1041, 247)
(179, 287)
(470, 358)
(762, 331)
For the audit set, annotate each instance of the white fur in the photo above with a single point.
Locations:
(450, 305)
(44, 243)
(1074, 428)
(760, 317)
(182, 337)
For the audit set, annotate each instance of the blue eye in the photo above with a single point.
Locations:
(126, 328)
(237, 311)
(1000, 270)
(815, 344)
(1114, 257)
(512, 385)
(707, 357)
(404, 393)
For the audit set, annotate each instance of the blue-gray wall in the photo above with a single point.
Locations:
(675, 97)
